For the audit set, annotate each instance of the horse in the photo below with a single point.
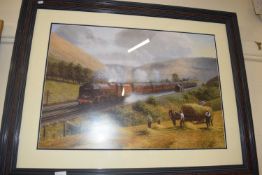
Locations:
(173, 116)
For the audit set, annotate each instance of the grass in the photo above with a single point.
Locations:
(157, 108)
(163, 136)
(59, 92)
(136, 113)
(133, 133)
(216, 104)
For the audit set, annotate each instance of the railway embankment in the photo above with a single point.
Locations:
(58, 92)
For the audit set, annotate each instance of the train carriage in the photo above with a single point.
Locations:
(104, 92)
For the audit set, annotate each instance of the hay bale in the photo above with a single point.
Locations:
(195, 112)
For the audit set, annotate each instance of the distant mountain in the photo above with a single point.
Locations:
(202, 69)
(62, 50)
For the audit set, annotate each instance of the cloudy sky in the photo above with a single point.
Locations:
(110, 45)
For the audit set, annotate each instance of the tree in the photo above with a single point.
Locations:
(89, 76)
(70, 72)
(77, 70)
(49, 70)
(82, 74)
(62, 70)
(175, 77)
(52, 70)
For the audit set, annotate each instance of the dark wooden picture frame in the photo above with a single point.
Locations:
(1, 27)
(12, 115)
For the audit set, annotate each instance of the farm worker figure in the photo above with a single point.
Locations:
(159, 120)
(182, 119)
(149, 121)
(208, 118)
(172, 116)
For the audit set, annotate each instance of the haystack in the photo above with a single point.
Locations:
(195, 112)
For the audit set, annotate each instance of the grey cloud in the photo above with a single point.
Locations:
(75, 34)
(110, 45)
(170, 45)
(130, 37)
(165, 45)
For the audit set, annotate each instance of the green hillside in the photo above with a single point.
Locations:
(59, 92)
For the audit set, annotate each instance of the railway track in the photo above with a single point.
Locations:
(60, 113)
(72, 110)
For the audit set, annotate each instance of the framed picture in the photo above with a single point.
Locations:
(107, 87)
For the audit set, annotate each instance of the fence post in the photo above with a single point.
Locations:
(47, 96)
(44, 131)
(64, 129)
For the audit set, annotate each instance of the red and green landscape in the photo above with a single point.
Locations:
(97, 95)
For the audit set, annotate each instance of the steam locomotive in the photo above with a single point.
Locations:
(101, 92)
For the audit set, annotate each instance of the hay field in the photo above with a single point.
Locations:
(163, 136)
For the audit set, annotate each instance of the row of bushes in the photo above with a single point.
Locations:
(156, 108)
(137, 113)
(215, 104)
(206, 93)
(68, 72)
